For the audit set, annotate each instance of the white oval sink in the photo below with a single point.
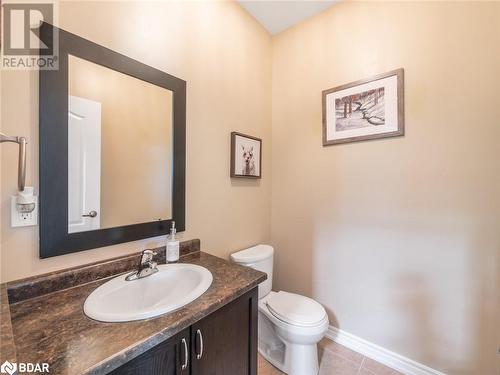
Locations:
(173, 286)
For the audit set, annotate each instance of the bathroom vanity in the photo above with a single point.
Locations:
(221, 343)
(214, 334)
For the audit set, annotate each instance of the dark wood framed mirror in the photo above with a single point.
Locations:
(112, 148)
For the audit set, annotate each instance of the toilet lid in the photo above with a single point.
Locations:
(295, 309)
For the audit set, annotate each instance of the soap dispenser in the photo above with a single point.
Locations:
(172, 245)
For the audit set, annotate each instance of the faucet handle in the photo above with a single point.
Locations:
(147, 255)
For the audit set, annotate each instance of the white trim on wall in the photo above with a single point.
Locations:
(393, 360)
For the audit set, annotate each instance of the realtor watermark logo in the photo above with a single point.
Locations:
(25, 45)
(28, 367)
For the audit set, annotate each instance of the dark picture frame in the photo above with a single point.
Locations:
(241, 159)
(398, 97)
(53, 115)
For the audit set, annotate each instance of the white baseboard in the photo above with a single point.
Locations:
(379, 354)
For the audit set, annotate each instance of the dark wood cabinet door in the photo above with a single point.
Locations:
(167, 358)
(225, 342)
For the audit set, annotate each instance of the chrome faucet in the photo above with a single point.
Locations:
(146, 266)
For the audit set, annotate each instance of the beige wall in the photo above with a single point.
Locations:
(136, 143)
(398, 238)
(225, 57)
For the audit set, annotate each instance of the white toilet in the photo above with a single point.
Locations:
(290, 325)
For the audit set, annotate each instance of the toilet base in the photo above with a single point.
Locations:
(298, 359)
(287, 350)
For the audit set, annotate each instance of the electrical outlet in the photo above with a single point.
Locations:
(22, 219)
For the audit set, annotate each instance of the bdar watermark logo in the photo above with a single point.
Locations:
(29, 40)
(28, 367)
(8, 368)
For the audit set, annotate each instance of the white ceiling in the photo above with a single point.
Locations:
(277, 16)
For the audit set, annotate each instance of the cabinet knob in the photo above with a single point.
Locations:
(200, 336)
(186, 355)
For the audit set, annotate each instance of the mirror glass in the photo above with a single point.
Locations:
(119, 149)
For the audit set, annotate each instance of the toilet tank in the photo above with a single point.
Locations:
(258, 257)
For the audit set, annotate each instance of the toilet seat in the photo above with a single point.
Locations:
(295, 309)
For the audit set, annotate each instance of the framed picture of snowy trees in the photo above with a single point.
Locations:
(366, 109)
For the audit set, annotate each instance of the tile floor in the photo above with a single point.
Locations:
(335, 359)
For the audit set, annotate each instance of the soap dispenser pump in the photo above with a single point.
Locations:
(172, 245)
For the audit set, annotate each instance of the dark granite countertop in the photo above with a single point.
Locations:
(53, 328)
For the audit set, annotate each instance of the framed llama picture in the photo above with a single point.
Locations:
(246, 156)
(367, 109)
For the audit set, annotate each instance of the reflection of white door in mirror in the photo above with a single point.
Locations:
(134, 147)
(84, 164)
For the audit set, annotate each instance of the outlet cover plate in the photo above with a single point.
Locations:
(20, 219)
